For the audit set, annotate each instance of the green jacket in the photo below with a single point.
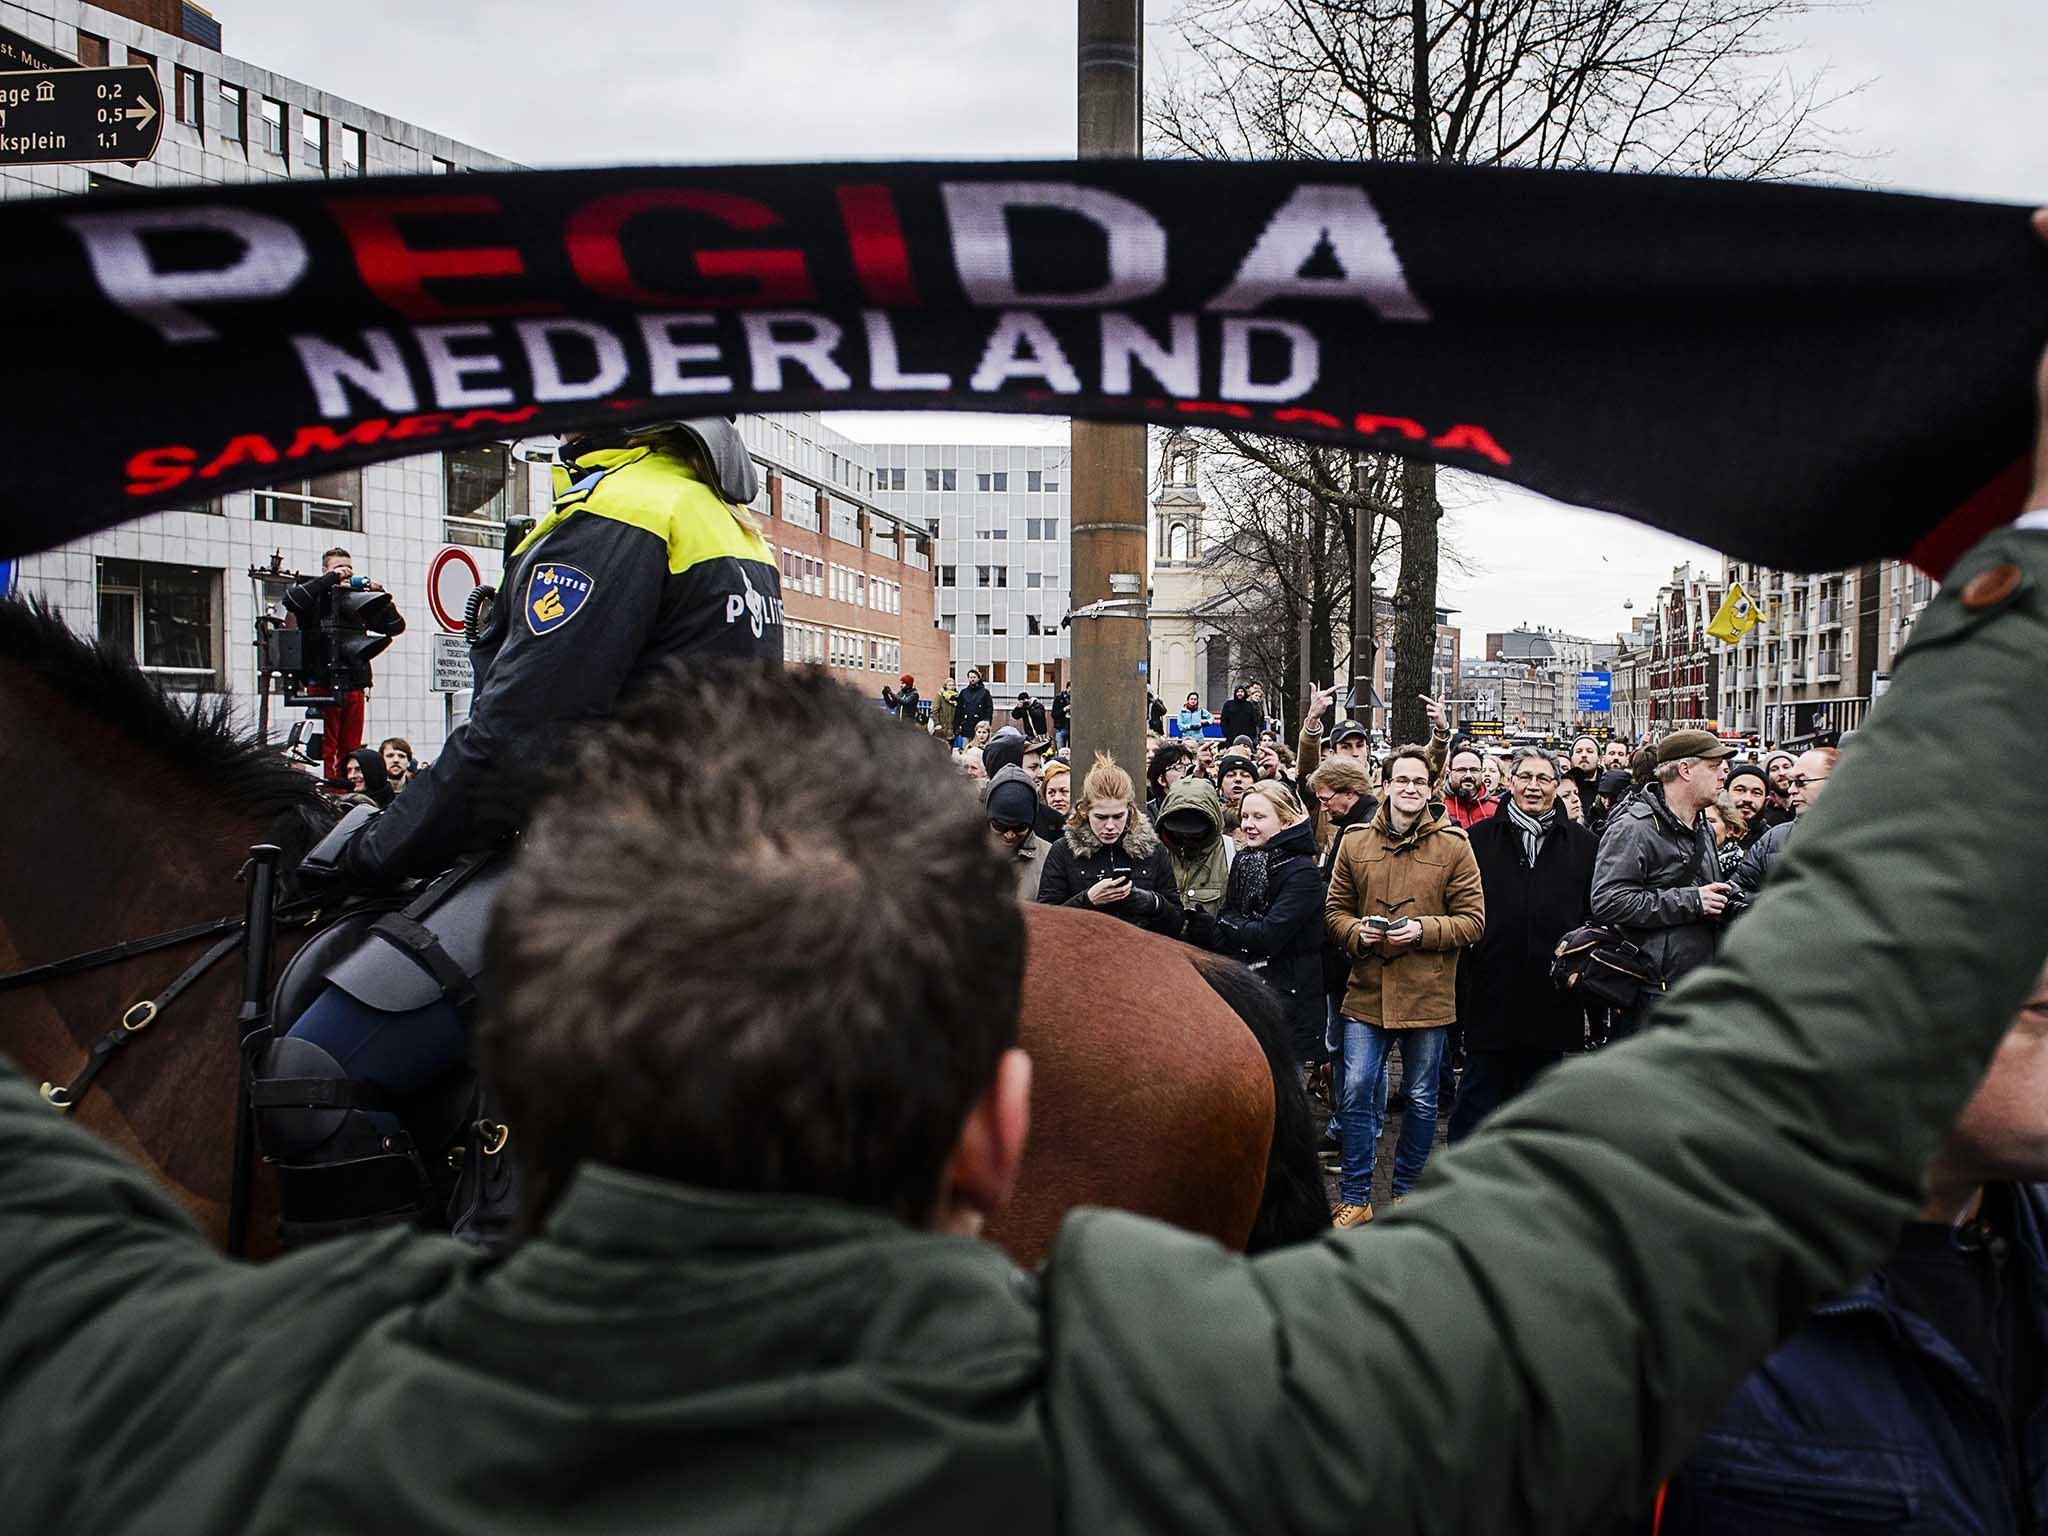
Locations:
(1527, 1345)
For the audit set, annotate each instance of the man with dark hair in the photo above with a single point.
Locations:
(1812, 770)
(1241, 717)
(1466, 800)
(1749, 787)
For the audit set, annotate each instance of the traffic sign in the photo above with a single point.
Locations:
(451, 576)
(1596, 693)
(450, 655)
(66, 116)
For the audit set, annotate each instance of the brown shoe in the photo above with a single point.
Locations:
(1351, 1216)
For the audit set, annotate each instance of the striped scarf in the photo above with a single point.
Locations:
(1533, 829)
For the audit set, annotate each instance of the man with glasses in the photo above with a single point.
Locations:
(1404, 898)
(1802, 787)
(1658, 877)
(1536, 871)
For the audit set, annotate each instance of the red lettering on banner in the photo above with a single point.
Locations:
(1368, 425)
(249, 449)
(881, 256)
(599, 258)
(1474, 440)
(160, 469)
(397, 273)
(1297, 413)
(429, 424)
(324, 439)
(1213, 408)
(486, 416)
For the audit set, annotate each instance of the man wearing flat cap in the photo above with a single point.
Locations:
(1658, 879)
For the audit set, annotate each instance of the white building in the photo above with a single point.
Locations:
(1000, 515)
(175, 588)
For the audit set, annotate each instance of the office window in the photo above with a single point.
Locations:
(1034, 579)
(999, 671)
(800, 504)
(165, 618)
(190, 85)
(1052, 482)
(92, 51)
(1034, 480)
(892, 478)
(443, 167)
(271, 115)
(481, 488)
(949, 575)
(353, 151)
(332, 500)
(1031, 625)
(981, 482)
(137, 57)
(313, 141)
(845, 521)
(981, 624)
(941, 480)
(1002, 479)
(232, 114)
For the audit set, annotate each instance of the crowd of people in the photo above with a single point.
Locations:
(1402, 902)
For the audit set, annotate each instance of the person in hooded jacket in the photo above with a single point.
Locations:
(1011, 801)
(1110, 859)
(1190, 824)
(369, 782)
(1272, 915)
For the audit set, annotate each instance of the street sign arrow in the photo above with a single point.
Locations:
(55, 117)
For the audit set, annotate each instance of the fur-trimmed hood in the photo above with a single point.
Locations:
(1139, 840)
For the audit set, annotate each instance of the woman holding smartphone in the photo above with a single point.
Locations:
(1110, 859)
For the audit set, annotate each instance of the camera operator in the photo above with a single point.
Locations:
(342, 722)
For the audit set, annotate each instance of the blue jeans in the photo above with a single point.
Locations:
(399, 1052)
(1362, 1104)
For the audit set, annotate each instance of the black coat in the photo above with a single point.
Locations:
(1506, 999)
(1030, 718)
(1078, 860)
(1281, 933)
(1241, 717)
(974, 707)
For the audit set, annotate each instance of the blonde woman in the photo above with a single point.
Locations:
(1056, 788)
(1110, 859)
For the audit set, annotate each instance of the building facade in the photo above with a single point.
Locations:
(1682, 690)
(997, 517)
(1520, 695)
(1822, 649)
(856, 578)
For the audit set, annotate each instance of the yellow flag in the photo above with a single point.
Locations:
(1737, 615)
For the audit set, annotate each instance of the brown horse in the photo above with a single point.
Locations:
(1162, 1082)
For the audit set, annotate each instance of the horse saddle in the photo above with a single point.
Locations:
(397, 953)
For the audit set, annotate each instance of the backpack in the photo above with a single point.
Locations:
(1597, 966)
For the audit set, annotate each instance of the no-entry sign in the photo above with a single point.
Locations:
(451, 576)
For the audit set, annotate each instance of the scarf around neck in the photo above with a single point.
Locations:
(1533, 829)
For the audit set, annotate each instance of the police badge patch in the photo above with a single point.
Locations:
(554, 596)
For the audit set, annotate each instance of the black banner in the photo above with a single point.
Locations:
(1802, 376)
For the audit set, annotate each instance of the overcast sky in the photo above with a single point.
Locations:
(1949, 102)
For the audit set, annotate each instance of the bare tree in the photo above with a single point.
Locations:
(1284, 518)
(1696, 86)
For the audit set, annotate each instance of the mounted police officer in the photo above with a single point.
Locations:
(648, 553)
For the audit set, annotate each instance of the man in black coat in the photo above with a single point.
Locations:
(974, 706)
(1536, 867)
(1241, 717)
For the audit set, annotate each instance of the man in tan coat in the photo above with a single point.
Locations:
(1404, 899)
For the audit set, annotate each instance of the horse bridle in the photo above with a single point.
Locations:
(138, 1016)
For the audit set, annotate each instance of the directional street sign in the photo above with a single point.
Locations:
(1596, 693)
(63, 116)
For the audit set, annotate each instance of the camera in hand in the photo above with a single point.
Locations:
(351, 627)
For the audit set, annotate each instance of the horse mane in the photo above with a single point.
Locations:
(197, 739)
